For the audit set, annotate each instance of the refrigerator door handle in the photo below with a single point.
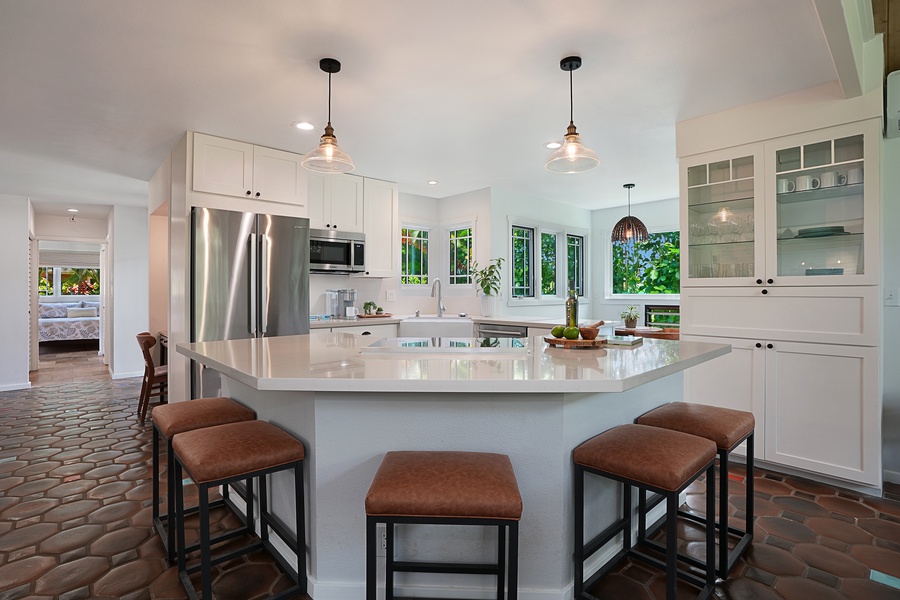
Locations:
(263, 283)
(252, 303)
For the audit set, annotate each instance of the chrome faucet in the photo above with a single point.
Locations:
(441, 307)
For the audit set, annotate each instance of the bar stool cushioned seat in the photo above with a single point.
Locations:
(435, 487)
(728, 428)
(178, 417)
(221, 455)
(659, 460)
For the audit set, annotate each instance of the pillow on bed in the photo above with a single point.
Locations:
(81, 312)
(52, 311)
(87, 304)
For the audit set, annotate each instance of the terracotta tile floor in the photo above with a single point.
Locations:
(75, 514)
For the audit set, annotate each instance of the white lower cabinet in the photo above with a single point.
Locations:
(816, 406)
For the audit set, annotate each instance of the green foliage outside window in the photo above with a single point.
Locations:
(548, 264)
(651, 267)
(460, 255)
(45, 281)
(414, 256)
(80, 282)
(575, 264)
(522, 263)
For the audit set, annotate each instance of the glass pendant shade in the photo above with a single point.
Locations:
(327, 157)
(572, 156)
(629, 229)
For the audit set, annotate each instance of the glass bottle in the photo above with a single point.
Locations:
(572, 307)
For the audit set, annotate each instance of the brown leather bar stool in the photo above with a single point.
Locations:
(662, 461)
(445, 488)
(727, 428)
(171, 419)
(222, 455)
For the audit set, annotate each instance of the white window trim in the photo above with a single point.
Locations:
(562, 232)
(418, 289)
(631, 298)
(444, 256)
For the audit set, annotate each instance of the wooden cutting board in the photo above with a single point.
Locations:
(564, 343)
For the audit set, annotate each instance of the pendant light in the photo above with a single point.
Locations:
(572, 156)
(327, 157)
(629, 229)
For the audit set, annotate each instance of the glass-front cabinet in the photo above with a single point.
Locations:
(721, 219)
(823, 225)
(799, 210)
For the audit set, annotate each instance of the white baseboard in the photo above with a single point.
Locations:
(891, 476)
(15, 386)
(127, 375)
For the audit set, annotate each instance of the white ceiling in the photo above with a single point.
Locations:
(94, 93)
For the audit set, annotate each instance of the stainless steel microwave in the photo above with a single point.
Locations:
(336, 251)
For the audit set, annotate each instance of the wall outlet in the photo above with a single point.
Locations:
(390, 295)
(890, 297)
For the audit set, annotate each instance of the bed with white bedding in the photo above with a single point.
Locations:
(62, 321)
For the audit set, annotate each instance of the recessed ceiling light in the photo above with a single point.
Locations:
(73, 210)
(553, 145)
(303, 125)
(432, 182)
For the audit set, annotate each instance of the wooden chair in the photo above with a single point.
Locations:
(156, 379)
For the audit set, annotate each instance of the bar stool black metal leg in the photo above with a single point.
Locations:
(513, 537)
(389, 561)
(711, 530)
(370, 558)
(301, 526)
(671, 544)
(205, 552)
(501, 560)
(723, 513)
(578, 479)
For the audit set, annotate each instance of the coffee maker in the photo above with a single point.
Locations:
(337, 303)
(348, 300)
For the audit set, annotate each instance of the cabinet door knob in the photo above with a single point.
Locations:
(257, 194)
(335, 226)
(770, 281)
(758, 345)
(769, 346)
(765, 291)
(327, 225)
(248, 192)
(759, 281)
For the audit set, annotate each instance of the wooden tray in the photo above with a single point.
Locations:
(564, 343)
(381, 316)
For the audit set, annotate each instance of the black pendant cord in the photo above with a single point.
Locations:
(329, 97)
(571, 100)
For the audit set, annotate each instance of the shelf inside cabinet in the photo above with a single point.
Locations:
(837, 191)
(728, 191)
(720, 244)
(827, 241)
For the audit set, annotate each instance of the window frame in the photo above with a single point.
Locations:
(429, 264)
(562, 233)
(608, 268)
(446, 264)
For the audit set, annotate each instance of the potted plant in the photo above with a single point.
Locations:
(630, 316)
(369, 307)
(488, 279)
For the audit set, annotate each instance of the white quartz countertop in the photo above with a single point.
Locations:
(326, 361)
(496, 320)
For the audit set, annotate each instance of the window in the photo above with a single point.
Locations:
(560, 262)
(414, 256)
(651, 267)
(68, 281)
(460, 255)
(523, 262)
(668, 316)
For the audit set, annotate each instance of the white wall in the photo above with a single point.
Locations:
(48, 227)
(890, 190)
(661, 215)
(128, 304)
(158, 265)
(14, 214)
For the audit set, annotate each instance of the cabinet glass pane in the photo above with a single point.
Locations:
(720, 228)
(787, 160)
(819, 211)
(720, 171)
(846, 149)
(697, 175)
(816, 155)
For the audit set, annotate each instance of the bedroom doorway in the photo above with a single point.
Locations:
(68, 307)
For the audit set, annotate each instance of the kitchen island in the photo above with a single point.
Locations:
(350, 404)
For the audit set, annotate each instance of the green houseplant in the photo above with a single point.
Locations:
(630, 315)
(488, 279)
(369, 307)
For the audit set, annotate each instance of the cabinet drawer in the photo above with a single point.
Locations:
(837, 315)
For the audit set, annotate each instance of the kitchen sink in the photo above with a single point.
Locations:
(462, 327)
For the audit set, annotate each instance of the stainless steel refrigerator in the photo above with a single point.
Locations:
(250, 278)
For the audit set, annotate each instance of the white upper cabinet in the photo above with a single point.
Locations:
(231, 168)
(382, 229)
(335, 202)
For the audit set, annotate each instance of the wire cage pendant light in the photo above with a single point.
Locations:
(572, 156)
(327, 157)
(629, 229)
